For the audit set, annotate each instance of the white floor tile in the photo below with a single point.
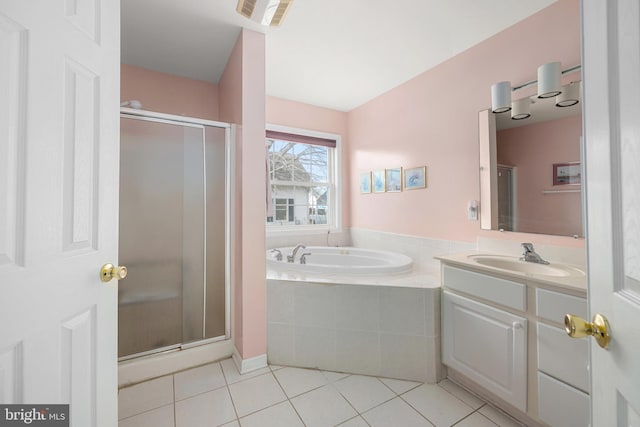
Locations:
(462, 394)
(476, 420)
(399, 386)
(396, 412)
(354, 422)
(231, 424)
(364, 392)
(498, 417)
(256, 393)
(160, 417)
(145, 396)
(280, 415)
(232, 374)
(198, 380)
(275, 367)
(323, 407)
(296, 381)
(437, 405)
(334, 376)
(208, 409)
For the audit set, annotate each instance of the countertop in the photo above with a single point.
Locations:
(576, 284)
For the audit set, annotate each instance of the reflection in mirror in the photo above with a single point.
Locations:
(530, 170)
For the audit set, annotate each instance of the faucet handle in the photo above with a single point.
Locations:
(528, 247)
(303, 257)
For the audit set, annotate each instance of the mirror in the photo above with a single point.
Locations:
(530, 170)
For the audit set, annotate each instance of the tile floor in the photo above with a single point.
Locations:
(217, 395)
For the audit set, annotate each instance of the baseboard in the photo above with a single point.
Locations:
(251, 364)
(154, 366)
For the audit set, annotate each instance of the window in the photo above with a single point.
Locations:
(304, 179)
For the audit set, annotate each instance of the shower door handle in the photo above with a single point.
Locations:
(109, 271)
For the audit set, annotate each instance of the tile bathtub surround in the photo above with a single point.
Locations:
(291, 397)
(372, 330)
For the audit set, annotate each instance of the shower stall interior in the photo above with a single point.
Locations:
(174, 215)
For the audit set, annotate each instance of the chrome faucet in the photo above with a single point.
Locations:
(303, 257)
(530, 254)
(291, 257)
(276, 254)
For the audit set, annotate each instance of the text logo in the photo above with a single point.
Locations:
(34, 415)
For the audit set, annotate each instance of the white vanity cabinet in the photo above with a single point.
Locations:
(563, 365)
(507, 337)
(487, 345)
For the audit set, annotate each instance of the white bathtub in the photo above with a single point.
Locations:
(341, 260)
(354, 310)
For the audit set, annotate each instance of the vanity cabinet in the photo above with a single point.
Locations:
(487, 345)
(507, 337)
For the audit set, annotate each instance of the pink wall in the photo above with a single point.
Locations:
(242, 102)
(304, 116)
(530, 149)
(166, 93)
(432, 120)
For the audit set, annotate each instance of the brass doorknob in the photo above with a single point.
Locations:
(109, 271)
(577, 327)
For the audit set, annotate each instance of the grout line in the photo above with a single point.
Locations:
(144, 412)
(289, 400)
(233, 404)
(421, 414)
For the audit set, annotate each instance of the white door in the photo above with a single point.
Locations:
(59, 121)
(611, 47)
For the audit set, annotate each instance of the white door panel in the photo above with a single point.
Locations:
(611, 46)
(59, 115)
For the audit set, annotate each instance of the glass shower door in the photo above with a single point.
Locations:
(162, 211)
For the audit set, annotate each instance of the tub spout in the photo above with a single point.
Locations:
(292, 257)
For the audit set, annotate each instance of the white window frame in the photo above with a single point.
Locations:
(334, 217)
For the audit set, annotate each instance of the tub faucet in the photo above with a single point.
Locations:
(303, 257)
(530, 254)
(291, 257)
(276, 254)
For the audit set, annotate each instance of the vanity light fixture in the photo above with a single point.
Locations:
(265, 12)
(501, 97)
(549, 80)
(570, 95)
(521, 109)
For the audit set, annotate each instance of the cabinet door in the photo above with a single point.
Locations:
(487, 345)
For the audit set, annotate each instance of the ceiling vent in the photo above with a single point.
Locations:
(265, 12)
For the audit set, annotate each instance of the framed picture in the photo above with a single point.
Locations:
(415, 178)
(377, 180)
(365, 182)
(393, 178)
(566, 173)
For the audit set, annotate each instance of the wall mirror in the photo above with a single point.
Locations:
(531, 170)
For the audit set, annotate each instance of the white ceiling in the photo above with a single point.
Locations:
(332, 53)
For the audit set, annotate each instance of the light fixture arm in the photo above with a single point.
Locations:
(532, 82)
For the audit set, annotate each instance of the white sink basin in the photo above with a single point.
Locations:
(515, 264)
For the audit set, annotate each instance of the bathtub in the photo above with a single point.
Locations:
(354, 310)
(343, 260)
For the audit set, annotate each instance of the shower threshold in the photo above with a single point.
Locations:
(171, 348)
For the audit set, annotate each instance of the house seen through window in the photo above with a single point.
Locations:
(302, 177)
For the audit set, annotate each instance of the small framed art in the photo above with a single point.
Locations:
(365, 183)
(566, 173)
(415, 178)
(393, 178)
(377, 181)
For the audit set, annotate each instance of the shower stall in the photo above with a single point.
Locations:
(174, 213)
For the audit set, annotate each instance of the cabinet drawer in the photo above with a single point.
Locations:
(553, 306)
(560, 405)
(487, 345)
(563, 357)
(500, 291)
